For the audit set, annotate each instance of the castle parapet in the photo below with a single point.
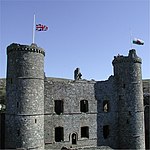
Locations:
(132, 57)
(18, 47)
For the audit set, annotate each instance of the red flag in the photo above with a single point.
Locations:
(40, 27)
(138, 41)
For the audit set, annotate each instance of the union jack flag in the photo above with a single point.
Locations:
(40, 27)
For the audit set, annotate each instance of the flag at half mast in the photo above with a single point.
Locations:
(138, 41)
(40, 27)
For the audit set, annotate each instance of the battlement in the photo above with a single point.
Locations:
(18, 47)
(132, 57)
(54, 113)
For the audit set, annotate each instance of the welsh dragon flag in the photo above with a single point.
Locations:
(138, 41)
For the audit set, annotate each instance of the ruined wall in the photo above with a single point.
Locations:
(2, 94)
(72, 119)
(107, 117)
(74, 113)
(102, 91)
(2, 112)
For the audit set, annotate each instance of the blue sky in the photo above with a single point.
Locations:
(82, 33)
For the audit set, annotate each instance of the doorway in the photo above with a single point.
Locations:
(74, 138)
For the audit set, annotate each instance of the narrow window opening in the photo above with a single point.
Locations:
(130, 113)
(127, 121)
(120, 97)
(17, 104)
(124, 86)
(58, 107)
(105, 131)
(84, 132)
(84, 106)
(105, 106)
(35, 120)
(59, 134)
(18, 132)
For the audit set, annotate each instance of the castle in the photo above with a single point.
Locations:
(53, 113)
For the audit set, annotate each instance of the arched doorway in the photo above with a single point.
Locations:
(64, 148)
(74, 138)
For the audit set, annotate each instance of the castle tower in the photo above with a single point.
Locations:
(25, 97)
(127, 72)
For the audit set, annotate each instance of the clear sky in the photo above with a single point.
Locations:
(82, 33)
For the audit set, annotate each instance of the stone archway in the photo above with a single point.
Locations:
(64, 148)
(74, 138)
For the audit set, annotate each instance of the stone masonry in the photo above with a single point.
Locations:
(24, 120)
(53, 113)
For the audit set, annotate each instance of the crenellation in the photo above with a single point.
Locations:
(54, 113)
(19, 47)
(132, 57)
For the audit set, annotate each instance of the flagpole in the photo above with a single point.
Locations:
(33, 35)
(131, 38)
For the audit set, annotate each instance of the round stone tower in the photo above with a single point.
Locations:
(25, 97)
(127, 72)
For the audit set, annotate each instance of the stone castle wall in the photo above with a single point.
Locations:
(49, 113)
(52, 113)
(70, 92)
(24, 119)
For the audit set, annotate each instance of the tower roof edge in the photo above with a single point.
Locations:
(132, 57)
(20, 47)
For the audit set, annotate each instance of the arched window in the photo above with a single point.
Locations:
(84, 106)
(106, 106)
(59, 134)
(58, 107)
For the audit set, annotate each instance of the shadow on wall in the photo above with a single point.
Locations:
(103, 113)
(147, 120)
(2, 130)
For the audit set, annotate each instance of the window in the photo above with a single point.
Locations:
(35, 120)
(105, 106)
(130, 113)
(17, 104)
(105, 131)
(124, 86)
(58, 107)
(84, 106)
(18, 132)
(120, 97)
(85, 132)
(59, 134)
(127, 121)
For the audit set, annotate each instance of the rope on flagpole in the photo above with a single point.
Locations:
(33, 36)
